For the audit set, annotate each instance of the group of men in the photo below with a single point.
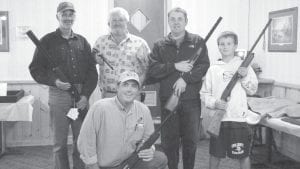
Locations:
(116, 125)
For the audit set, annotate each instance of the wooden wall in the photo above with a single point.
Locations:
(38, 131)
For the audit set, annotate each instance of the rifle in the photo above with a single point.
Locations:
(132, 160)
(214, 126)
(73, 90)
(95, 52)
(172, 102)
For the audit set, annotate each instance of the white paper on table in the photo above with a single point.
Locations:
(73, 113)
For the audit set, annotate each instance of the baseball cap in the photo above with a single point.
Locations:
(129, 75)
(65, 6)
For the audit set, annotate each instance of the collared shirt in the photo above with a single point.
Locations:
(109, 134)
(217, 78)
(72, 56)
(131, 54)
(166, 53)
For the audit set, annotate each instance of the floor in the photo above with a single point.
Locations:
(40, 157)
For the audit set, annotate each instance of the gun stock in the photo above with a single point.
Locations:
(214, 126)
(73, 90)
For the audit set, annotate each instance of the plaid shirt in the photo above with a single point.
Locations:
(131, 54)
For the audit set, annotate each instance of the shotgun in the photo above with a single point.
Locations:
(73, 90)
(214, 126)
(132, 160)
(173, 101)
(95, 53)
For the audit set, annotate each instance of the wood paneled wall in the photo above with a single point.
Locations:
(38, 131)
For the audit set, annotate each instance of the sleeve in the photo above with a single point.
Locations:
(206, 92)
(91, 73)
(87, 139)
(250, 82)
(40, 66)
(159, 69)
(149, 125)
(143, 60)
(200, 67)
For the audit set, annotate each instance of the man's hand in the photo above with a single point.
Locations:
(147, 154)
(62, 85)
(82, 103)
(183, 66)
(242, 71)
(220, 104)
(179, 86)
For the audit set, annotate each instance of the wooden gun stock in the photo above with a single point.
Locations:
(214, 126)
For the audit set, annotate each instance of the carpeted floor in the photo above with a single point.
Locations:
(40, 157)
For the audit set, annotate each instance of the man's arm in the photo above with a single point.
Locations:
(40, 67)
(143, 61)
(87, 139)
(159, 69)
(91, 74)
(200, 67)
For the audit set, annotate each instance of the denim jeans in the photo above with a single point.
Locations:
(60, 103)
(181, 129)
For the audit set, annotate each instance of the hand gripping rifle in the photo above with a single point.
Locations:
(73, 90)
(172, 102)
(96, 52)
(132, 160)
(214, 126)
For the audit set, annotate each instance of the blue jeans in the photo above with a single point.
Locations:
(182, 128)
(60, 103)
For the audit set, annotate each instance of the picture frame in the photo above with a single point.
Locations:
(4, 34)
(283, 30)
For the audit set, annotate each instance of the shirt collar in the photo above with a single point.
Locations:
(121, 107)
(73, 35)
(127, 38)
(187, 38)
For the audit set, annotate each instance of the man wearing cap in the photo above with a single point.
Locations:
(122, 50)
(71, 53)
(114, 127)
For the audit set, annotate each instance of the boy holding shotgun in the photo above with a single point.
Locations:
(234, 137)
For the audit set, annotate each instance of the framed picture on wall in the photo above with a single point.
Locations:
(4, 35)
(283, 30)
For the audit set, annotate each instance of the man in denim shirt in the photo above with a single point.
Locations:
(71, 53)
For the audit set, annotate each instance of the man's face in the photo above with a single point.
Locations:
(177, 22)
(227, 46)
(118, 24)
(66, 19)
(127, 91)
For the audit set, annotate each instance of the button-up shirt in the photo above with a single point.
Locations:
(109, 133)
(131, 54)
(72, 56)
